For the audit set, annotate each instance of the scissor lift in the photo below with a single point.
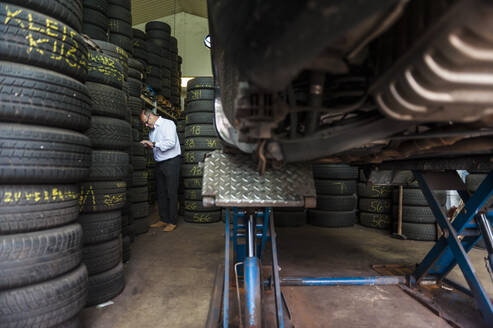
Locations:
(231, 181)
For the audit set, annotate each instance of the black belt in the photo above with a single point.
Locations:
(169, 159)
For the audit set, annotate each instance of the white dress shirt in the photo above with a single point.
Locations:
(166, 140)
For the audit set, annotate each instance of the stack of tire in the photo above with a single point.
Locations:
(151, 178)
(120, 24)
(95, 20)
(336, 195)
(180, 129)
(138, 193)
(158, 69)
(375, 204)
(200, 139)
(45, 107)
(139, 44)
(418, 221)
(175, 73)
(103, 194)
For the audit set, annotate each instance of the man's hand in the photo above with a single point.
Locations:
(147, 144)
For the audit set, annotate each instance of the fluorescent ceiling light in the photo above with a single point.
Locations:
(184, 81)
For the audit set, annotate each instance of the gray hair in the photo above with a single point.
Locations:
(148, 112)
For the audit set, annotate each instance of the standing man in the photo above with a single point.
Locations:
(164, 142)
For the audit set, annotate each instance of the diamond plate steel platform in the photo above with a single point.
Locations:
(232, 180)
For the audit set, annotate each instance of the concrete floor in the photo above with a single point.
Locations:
(170, 277)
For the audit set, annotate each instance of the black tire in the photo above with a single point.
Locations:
(25, 208)
(136, 136)
(416, 231)
(102, 196)
(336, 203)
(335, 187)
(105, 286)
(373, 191)
(100, 5)
(45, 304)
(126, 251)
(139, 178)
(94, 32)
(123, 41)
(335, 171)
(38, 96)
(289, 219)
(135, 105)
(199, 118)
(140, 225)
(200, 130)
(100, 227)
(135, 74)
(134, 87)
(375, 205)
(114, 51)
(375, 220)
(201, 83)
(197, 206)
(332, 219)
(118, 12)
(105, 69)
(107, 100)
(109, 133)
(108, 165)
(202, 217)
(36, 154)
(67, 11)
(473, 181)
(138, 149)
(138, 194)
(139, 210)
(123, 3)
(415, 197)
(193, 194)
(15, 42)
(157, 25)
(120, 27)
(200, 94)
(138, 34)
(103, 256)
(29, 258)
(199, 106)
(191, 171)
(193, 183)
(194, 156)
(139, 162)
(415, 214)
(153, 70)
(96, 18)
(136, 65)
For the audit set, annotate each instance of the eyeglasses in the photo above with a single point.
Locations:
(148, 117)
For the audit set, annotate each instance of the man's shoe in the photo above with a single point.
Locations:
(158, 224)
(169, 227)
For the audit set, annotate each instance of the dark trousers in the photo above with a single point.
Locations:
(167, 179)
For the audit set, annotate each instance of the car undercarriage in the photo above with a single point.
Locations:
(407, 83)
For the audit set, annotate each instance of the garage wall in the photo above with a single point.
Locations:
(190, 30)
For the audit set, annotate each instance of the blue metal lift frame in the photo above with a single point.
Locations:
(449, 250)
(442, 258)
